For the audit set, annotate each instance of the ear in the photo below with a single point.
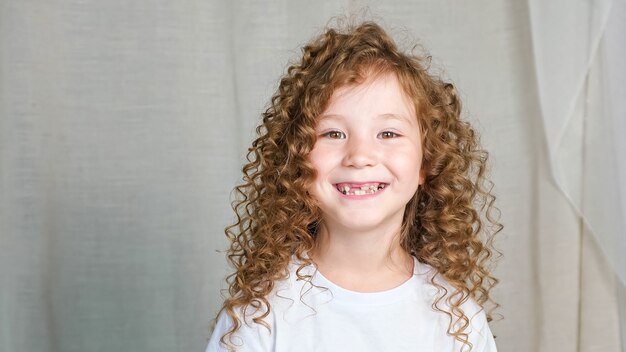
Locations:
(422, 177)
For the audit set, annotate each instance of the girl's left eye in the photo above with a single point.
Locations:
(388, 134)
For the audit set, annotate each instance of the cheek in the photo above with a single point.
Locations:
(317, 162)
(321, 160)
(314, 159)
(406, 166)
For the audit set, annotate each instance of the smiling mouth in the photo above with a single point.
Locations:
(360, 189)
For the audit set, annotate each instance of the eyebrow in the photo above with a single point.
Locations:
(387, 116)
(394, 117)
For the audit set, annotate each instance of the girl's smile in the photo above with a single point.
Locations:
(360, 190)
(367, 156)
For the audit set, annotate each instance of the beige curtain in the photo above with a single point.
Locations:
(124, 125)
(578, 56)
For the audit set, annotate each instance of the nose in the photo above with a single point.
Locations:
(360, 152)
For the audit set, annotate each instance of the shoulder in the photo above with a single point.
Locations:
(253, 336)
(479, 333)
(250, 336)
(435, 285)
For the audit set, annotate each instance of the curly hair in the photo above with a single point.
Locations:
(449, 223)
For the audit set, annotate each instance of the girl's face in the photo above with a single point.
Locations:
(367, 156)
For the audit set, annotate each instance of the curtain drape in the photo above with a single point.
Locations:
(124, 126)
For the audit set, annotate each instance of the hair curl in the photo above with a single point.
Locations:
(448, 224)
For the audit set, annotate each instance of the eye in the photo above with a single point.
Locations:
(388, 134)
(334, 135)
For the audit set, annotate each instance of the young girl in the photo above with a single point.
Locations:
(361, 223)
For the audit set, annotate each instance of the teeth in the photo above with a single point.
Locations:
(371, 189)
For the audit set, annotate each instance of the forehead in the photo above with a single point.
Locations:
(381, 97)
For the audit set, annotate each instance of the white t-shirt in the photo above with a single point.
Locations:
(399, 319)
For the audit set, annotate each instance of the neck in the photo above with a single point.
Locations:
(360, 258)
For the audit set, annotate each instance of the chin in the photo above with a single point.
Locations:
(359, 223)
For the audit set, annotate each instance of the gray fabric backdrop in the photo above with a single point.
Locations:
(123, 127)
